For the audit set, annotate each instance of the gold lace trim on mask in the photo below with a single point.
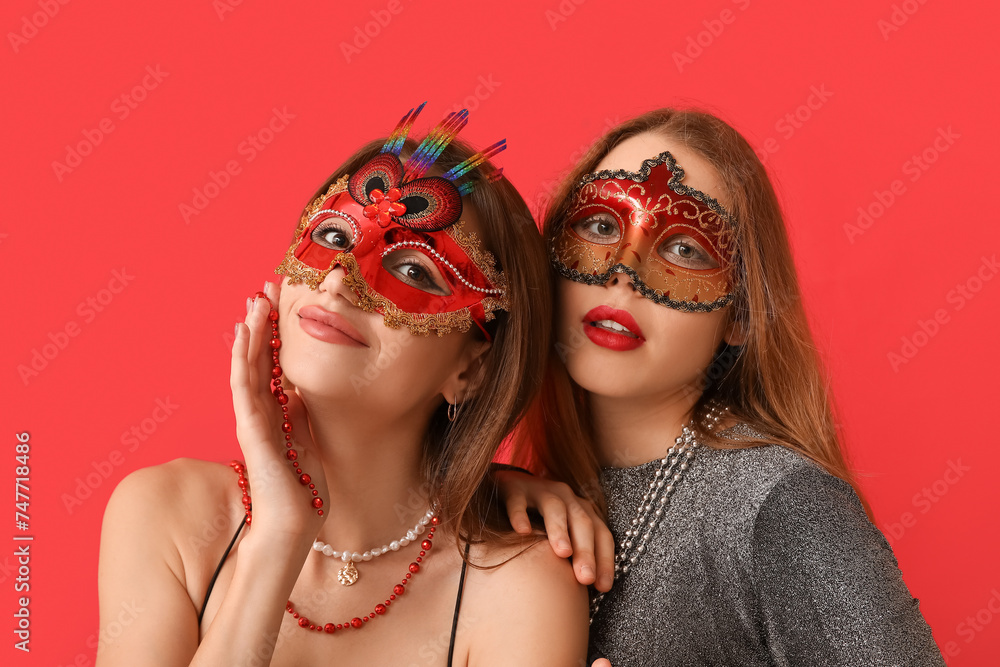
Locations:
(419, 324)
(469, 242)
(291, 266)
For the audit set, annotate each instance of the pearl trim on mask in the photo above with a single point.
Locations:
(440, 257)
(346, 216)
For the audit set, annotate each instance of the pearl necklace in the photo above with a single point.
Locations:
(348, 574)
(652, 507)
(381, 608)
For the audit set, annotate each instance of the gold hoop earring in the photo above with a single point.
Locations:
(452, 411)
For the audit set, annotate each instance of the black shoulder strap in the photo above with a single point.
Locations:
(458, 604)
(211, 584)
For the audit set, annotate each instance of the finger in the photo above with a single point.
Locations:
(601, 662)
(301, 434)
(239, 375)
(273, 292)
(265, 361)
(253, 346)
(604, 546)
(553, 511)
(517, 512)
(581, 531)
(302, 441)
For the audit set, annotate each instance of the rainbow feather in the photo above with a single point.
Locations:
(469, 186)
(433, 144)
(394, 144)
(460, 170)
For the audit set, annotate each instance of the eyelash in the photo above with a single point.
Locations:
(442, 259)
(581, 227)
(428, 272)
(331, 225)
(701, 255)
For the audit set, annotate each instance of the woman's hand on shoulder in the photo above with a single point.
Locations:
(283, 514)
(530, 610)
(571, 523)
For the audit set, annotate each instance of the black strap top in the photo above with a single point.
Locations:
(458, 601)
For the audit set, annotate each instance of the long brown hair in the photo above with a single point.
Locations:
(774, 381)
(457, 455)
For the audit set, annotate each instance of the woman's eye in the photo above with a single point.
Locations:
(416, 272)
(333, 234)
(599, 228)
(684, 251)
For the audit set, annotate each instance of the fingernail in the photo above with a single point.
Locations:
(236, 330)
(248, 305)
(586, 571)
(563, 544)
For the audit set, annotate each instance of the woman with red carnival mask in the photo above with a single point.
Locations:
(372, 387)
(691, 411)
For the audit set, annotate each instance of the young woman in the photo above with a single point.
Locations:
(371, 388)
(692, 402)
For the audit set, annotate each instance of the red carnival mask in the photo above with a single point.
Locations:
(400, 240)
(674, 242)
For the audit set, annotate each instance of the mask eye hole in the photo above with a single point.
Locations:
(682, 250)
(334, 233)
(600, 228)
(417, 270)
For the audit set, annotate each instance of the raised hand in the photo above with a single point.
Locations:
(283, 512)
(572, 524)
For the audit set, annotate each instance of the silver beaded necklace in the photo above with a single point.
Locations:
(653, 505)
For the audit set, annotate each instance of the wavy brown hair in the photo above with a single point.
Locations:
(774, 381)
(457, 455)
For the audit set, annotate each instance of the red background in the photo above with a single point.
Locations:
(550, 77)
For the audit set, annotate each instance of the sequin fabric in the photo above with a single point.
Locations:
(762, 558)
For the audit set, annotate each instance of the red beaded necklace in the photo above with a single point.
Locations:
(282, 398)
(357, 621)
(317, 502)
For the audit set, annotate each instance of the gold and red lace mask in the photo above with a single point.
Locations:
(674, 242)
(400, 240)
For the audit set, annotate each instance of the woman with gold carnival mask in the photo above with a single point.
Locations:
(372, 388)
(690, 410)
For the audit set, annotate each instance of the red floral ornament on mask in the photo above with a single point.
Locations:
(386, 206)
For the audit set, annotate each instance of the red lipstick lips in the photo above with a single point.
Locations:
(329, 327)
(612, 328)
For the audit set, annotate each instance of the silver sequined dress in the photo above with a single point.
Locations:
(761, 559)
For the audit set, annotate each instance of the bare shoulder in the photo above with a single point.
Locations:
(175, 510)
(529, 560)
(534, 609)
(170, 495)
(151, 577)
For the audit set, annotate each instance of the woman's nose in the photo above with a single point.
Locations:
(621, 276)
(333, 284)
